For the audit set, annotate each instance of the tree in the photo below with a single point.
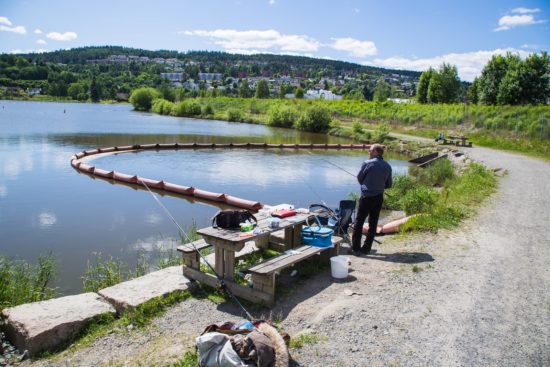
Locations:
(244, 89)
(382, 91)
(423, 84)
(95, 92)
(510, 89)
(299, 93)
(262, 89)
(536, 78)
(490, 79)
(142, 98)
(435, 88)
(472, 93)
(450, 83)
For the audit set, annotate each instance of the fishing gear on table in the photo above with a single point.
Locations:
(223, 286)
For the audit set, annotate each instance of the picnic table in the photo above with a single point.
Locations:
(227, 243)
(458, 140)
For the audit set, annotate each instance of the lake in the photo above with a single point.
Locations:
(45, 205)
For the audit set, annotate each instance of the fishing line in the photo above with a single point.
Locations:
(223, 286)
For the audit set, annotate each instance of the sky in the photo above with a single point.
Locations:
(397, 34)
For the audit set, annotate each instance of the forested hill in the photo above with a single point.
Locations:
(218, 61)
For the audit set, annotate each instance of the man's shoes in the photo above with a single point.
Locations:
(365, 251)
(354, 252)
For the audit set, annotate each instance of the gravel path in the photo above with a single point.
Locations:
(473, 296)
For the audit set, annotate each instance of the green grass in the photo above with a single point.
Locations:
(22, 282)
(306, 339)
(189, 359)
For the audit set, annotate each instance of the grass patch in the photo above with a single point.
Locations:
(416, 269)
(306, 339)
(189, 359)
(22, 282)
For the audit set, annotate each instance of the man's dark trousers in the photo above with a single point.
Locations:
(368, 206)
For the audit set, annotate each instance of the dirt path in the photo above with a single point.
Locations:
(474, 296)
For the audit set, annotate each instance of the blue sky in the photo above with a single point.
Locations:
(402, 34)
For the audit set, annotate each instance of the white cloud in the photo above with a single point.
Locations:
(41, 42)
(271, 2)
(19, 29)
(525, 18)
(4, 20)
(525, 10)
(46, 219)
(354, 47)
(37, 31)
(356, 11)
(269, 40)
(469, 64)
(27, 51)
(67, 36)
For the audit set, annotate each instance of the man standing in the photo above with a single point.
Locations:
(375, 176)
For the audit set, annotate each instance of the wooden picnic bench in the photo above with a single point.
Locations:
(228, 243)
(459, 141)
(264, 274)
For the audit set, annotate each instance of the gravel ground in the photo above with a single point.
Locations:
(473, 296)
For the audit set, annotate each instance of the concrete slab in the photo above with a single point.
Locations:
(137, 291)
(46, 325)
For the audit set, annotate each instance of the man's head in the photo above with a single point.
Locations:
(376, 150)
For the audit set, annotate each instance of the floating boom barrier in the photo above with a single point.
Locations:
(78, 163)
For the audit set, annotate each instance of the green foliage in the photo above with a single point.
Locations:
(315, 119)
(381, 132)
(244, 89)
(282, 116)
(299, 93)
(104, 273)
(207, 110)
(189, 359)
(162, 106)
(187, 108)
(306, 339)
(262, 89)
(142, 98)
(401, 185)
(419, 200)
(382, 91)
(234, 114)
(423, 83)
(22, 282)
(435, 174)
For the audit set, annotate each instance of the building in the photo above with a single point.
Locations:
(322, 94)
(210, 76)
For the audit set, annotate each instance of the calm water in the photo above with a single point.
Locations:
(45, 205)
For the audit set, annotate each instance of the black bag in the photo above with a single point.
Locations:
(232, 218)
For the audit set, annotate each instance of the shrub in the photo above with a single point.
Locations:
(419, 200)
(283, 116)
(234, 114)
(434, 175)
(315, 119)
(381, 132)
(208, 110)
(162, 106)
(142, 98)
(401, 185)
(187, 108)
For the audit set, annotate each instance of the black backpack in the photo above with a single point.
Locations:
(232, 218)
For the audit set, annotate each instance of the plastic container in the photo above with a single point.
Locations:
(273, 222)
(339, 267)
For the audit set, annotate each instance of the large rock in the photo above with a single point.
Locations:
(137, 291)
(46, 325)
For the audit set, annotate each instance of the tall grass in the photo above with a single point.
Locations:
(22, 282)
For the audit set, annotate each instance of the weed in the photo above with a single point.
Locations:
(306, 339)
(189, 359)
(417, 269)
(22, 282)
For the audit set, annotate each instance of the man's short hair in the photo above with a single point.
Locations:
(378, 148)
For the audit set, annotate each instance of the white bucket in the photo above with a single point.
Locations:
(339, 267)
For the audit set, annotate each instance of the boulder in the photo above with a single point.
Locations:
(137, 291)
(47, 325)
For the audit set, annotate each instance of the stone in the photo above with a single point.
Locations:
(47, 325)
(135, 292)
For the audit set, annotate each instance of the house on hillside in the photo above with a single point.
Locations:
(210, 76)
(321, 94)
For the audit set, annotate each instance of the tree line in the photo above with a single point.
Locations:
(504, 80)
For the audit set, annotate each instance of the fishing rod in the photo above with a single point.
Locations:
(223, 286)
(343, 169)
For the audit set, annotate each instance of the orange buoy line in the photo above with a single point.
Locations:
(78, 164)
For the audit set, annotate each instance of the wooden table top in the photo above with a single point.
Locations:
(236, 236)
